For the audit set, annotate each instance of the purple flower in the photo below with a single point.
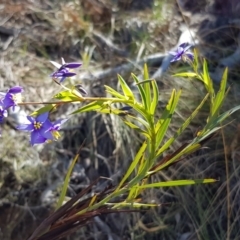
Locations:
(39, 128)
(3, 113)
(56, 126)
(62, 74)
(71, 65)
(64, 70)
(12, 97)
(42, 130)
(182, 53)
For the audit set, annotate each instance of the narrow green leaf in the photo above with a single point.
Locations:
(114, 92)
(182, 128)
(140, 120)
(207, 80)
(132, 205)
(142, 172)
(125, 88)
(205, 134)
(223, 116)
(164, 121)
(140, 177)
(133, 164)
(140, 109)
(155, 97)
(211, 126)
(141, 91)
(187, 150)
(67, 95)
(186, 74)
(106, 111)
(145, 72)
(93, 106)
(218, 101)
(177, 183)
(66, 181)
(136, 128)
(144, 82)
(195, 61)
(93, 200)
(133, 193)
(47, 108)
(146, 86)
(227, 114)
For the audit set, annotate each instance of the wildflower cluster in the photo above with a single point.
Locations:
(182, 53)
(64, 70)
(153, 155)
(40, 127)
(8, 100)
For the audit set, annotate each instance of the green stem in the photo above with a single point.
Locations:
(104, 201)
(82, 100)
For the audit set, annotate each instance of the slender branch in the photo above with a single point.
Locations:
(84, 99)
(154, 59)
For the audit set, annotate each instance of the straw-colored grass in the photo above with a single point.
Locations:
(31, 177)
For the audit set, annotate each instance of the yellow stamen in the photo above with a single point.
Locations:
(37, 125)
(56, 134)
(17, 98)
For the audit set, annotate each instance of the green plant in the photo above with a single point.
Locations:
(152, 157)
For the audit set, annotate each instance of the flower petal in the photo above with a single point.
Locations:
(57, 124)
(45, 129)
(47, 125)
(8, 101)
(63, 61)
(26, 127)
(187, 47)
(62, 79)
(31, 119)
(173, 53)
(69, 74)
(189, 55)
(42, 117)
(2, 94)
(180, 51)
(62, 73)
(72, 65)
(57, 74)
(176, 58)
(5, 113)
(183, 45)
(57, 65)
(37, 138)
(16, 89)
(46, 134)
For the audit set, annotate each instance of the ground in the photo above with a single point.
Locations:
(111, 37)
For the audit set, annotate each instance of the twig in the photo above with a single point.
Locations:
(107, 43)
(154, 59)
(8, 31)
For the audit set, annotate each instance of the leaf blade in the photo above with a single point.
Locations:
(177, 183)
(125, 88)
(133, 165)
(146, 86)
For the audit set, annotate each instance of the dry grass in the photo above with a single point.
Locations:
(31, 177)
